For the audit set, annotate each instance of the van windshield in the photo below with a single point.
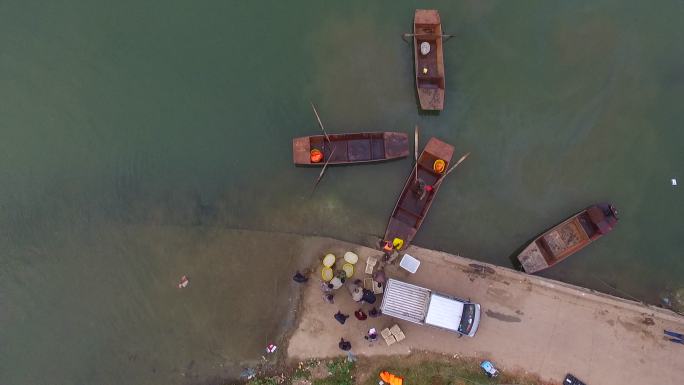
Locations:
(467, 318)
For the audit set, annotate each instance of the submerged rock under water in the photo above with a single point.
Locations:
(678, 300)
(673, 300)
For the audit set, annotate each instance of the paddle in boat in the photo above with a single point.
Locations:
(569, 237)
(361, 147)
(418, 194)
(429, 59)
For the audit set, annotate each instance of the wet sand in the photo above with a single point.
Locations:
(529, 324)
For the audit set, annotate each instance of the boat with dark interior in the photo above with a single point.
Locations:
(418, 194)
(363, 147)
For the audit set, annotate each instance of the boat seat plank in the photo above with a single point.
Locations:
(405, 217)
(587, 225)
(411, 203)
(377, 148)
(359, 150)
(399, 227)
(317, 142)
(532, 258)
(409, 212)
(340, 154)
(563, 238)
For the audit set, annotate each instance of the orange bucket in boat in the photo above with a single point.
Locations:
(439, 166)
(316, 155)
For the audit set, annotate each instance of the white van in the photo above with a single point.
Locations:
(423, 306)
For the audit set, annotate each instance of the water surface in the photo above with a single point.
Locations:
(133, 135)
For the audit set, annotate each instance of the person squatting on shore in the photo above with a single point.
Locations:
(341, 318)
(344, 345)
(372, 335)
(368, 297)
(355, 290)
(327, 288)
(299, 277)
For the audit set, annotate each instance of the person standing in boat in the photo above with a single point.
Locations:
(422, 189)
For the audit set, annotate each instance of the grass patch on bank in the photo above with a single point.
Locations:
(435, 369)
(339, 373)
(421, 368)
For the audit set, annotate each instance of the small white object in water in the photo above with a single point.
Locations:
(271, 348)
(184, 281)
(674, 181)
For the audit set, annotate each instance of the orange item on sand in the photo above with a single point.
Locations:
(391, 379)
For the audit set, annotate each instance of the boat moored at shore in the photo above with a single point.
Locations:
(569, 237)
(418, 194)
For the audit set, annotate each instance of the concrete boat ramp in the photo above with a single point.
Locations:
(528, 324)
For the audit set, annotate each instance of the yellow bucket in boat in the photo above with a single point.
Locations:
(329, 260)
(327, 273)
(439, 166)
(348, 269)
(398, 243)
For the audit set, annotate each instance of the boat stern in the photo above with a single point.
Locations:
(301, 148)
(426, 16)
(532, 259)
(431, 99)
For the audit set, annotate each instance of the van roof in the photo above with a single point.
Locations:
(444, 312)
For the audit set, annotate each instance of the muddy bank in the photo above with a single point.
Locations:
(529, 324)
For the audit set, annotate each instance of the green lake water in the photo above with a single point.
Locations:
(134, 136)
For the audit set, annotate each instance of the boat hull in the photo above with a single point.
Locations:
(364, 147)
(568, 237)
(410, 211)
(429, 68)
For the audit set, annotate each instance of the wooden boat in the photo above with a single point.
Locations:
(410, 210)
(361, 147)
(427, 28)
(568, 237)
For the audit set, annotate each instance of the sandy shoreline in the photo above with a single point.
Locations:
(529, 323)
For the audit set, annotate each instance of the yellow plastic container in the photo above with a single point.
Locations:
(329, 260)
(398, 243)
(327, 273)
(351, 257)
(348, 269)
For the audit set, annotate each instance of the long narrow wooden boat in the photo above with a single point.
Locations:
(568, 237)
(410, 210)
(360, 147)
(427, 28)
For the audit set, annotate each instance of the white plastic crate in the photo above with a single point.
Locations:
(409, 263)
